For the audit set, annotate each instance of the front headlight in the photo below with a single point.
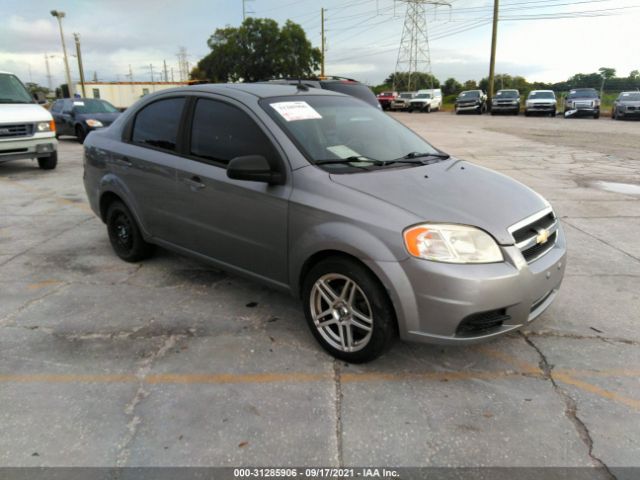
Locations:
(451, 244)
(94, 123)
(46, 126)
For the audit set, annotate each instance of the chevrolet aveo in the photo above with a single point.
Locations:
(317, 194)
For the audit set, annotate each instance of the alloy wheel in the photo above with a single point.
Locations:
(341, 312)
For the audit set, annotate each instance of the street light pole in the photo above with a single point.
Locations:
(76, 37)
(60, 15)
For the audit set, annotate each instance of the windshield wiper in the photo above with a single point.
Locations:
(414, 157)
(353, 159)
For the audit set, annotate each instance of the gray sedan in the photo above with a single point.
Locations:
(627, 105)
(320, 195)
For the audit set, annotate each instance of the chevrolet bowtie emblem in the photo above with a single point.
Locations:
(543, 236)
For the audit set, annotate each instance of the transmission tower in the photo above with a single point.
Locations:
(414, 55)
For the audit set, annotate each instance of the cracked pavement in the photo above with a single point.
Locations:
(171, 363)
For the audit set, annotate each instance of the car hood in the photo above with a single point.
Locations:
(453, 191)
(107, 118)
(23, 113)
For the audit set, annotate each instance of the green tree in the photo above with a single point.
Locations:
(451, 87)
(419, 80)
(634, 74)
(35, 88)
(470, 85)
(258, 50)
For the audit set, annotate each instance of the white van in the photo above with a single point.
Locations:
(27, 130)
(426, 100)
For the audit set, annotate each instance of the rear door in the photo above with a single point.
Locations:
(145, 164)
(239, 223)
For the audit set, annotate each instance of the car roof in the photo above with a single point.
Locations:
(260, 90)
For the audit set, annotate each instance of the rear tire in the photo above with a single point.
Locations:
(428, 109)
(48, 163)
(124, 234)
(348, 310)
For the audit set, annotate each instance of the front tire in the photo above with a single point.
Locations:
(124, 234)
(48, 163)
(348, 310)
(80, 134)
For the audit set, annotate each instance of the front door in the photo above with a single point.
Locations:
(238, 223)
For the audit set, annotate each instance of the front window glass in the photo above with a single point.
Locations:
(93, 106)
(12, 90)
(545, 95)
(221, 132)
(406, 95)
(423, 95)
(507, 94)
(328, 128)
(467, 95)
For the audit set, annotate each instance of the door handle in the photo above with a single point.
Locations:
(195, 183)
(123, 162)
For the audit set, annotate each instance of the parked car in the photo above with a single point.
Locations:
(627, 105)
(506, 101)
(347, 86)
(471, 101)
(26, 129)
(317, 194)
(79, 116)
(582, 101)
(401, 102)
(426, 100)
(541, 101)
(386, 98)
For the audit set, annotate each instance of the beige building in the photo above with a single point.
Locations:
(123, 94)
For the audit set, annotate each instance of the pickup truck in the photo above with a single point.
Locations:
(27, 130)
(402, 101)
(386, 98)
(471, 101)
(426, 100)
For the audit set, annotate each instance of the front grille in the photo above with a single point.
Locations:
(631, 108)
(482, 323)
(536, 237)
(16, 130)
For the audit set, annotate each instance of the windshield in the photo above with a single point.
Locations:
(542, 95)
(386, 94)
(423, 95)
(582, 94)
(12, 90)
(406, 95)
(93, 106)
(507, 94)
(330, 128)
(629, 96)
(472, 94)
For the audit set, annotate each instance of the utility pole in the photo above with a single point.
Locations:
(60, 15)
(492, 63)
(245, 12)
(76, 37)
(130, 75)
(166, 77)
(151, 70)
(46, 63)
(322, 42)
(172, 74)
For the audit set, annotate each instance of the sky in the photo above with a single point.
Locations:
(363, 36)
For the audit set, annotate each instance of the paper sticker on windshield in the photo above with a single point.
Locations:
(625, 94)
(78, 104)
(342, 151)
(294, 111)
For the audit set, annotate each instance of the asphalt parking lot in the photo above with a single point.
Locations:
(104, 363)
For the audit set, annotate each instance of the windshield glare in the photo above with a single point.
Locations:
(469, 95)
(630, 97)
(507, 94)
(12, 90)
(334, 128)
(93, 106)
(541, 95)
(583, 94)
(406, 95)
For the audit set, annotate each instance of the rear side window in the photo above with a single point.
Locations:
(221, 132)
(156, 125)
(57, 106)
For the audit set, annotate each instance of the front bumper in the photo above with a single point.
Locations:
(629, 113)
(541, 108)
(505, 107)
(464, 107)
(433, 299)
(35, 146)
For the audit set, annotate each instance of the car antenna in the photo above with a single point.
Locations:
(301, 86)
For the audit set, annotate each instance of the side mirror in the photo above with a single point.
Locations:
(40, 98)
(254, 168)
